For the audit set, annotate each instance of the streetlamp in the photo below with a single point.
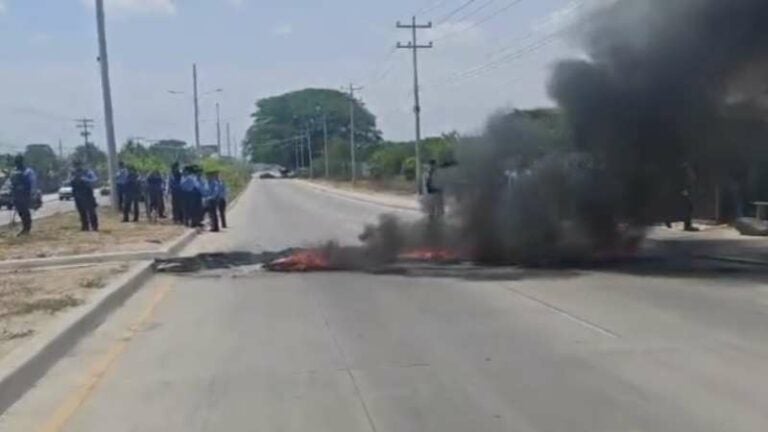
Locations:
(325, 138)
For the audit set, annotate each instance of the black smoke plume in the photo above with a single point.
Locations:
(670, 98)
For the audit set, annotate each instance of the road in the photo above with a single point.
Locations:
(51, 206)
(549, 351)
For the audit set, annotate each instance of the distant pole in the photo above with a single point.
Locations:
(85, 125)
(325, 144)
(352, 149)
(301, 150)
(197, 106)
(296, 151)
(218, 129)
(107, 93)
(61, 150)
(309, 151)
(415, 47)
(229, 142)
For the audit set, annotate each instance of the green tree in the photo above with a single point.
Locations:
(278, 120)
(171, 150)
(90, 155)
(46, 164)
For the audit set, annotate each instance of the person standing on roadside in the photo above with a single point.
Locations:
(23, 186)
(174, 190)
(120, 180)
(83, 181)
(155, 195)
(193, 197)
(132, 194)
(221, 201)
(213, 191)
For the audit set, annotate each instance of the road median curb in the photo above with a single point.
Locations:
(24, 366)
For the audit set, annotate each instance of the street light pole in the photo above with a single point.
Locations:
(218, 128)
(309, 150)
(107, 94)
(325, 143)
(197, 107)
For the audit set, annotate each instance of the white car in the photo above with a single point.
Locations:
(65, 193)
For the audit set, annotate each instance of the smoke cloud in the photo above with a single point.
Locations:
(671, 93)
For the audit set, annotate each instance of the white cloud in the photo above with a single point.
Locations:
(137, 6)
(283, 30)
(2, 6)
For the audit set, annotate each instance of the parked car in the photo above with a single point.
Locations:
(6, 200)
(65, 192)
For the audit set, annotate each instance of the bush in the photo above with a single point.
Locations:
(235, 174)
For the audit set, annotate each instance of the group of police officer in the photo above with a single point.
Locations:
(192, 195)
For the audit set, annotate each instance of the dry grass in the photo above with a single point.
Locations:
(29, 299)
(60, 235)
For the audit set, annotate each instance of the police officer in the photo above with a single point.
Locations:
(23, 186)
(83, 181)
(132, 192)
(213, 191)
(434, 203)
(174, 189)
(191, 184)
(221, 200)
(121, 178)
(155, 194)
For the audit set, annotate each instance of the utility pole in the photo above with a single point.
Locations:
(415, 47)
(107, 93)
(309, 151)
(296, 156)
(61, 150)
(229, 142)
(218, 129)
(352, 150)
(300, 143)
(325, 143)
(85, 125)
(197, 107)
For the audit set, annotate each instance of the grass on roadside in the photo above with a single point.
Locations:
(60, 235)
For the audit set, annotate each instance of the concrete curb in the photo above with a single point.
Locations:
(359, 196)
(21, 369)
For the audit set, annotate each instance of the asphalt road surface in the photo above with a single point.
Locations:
(549, 351)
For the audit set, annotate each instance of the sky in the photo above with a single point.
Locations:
(488, 55)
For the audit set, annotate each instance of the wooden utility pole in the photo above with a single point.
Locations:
(352, 146)
(415, 47)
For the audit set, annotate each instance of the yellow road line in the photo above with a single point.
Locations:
(101, 367)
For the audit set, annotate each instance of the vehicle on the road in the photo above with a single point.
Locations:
(267, 176)
(6, 200)
(65, 192)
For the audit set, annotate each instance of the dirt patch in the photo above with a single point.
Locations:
(60, 235)
(30, 299)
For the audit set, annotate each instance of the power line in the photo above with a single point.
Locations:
(455, 11)
(481, 21)
(427, 8)
(475, 11)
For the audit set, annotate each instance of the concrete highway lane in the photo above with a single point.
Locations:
(545, 351)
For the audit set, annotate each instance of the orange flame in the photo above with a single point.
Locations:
(430, 254)
(302, 261)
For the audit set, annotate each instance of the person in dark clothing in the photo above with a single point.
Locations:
(214, 190)
(221, 201)
(433, 198)
(23, 185)
(83, 182)
(174, 189)
(132, 194)
(155, 194)
(121, 178)
(192, 185)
